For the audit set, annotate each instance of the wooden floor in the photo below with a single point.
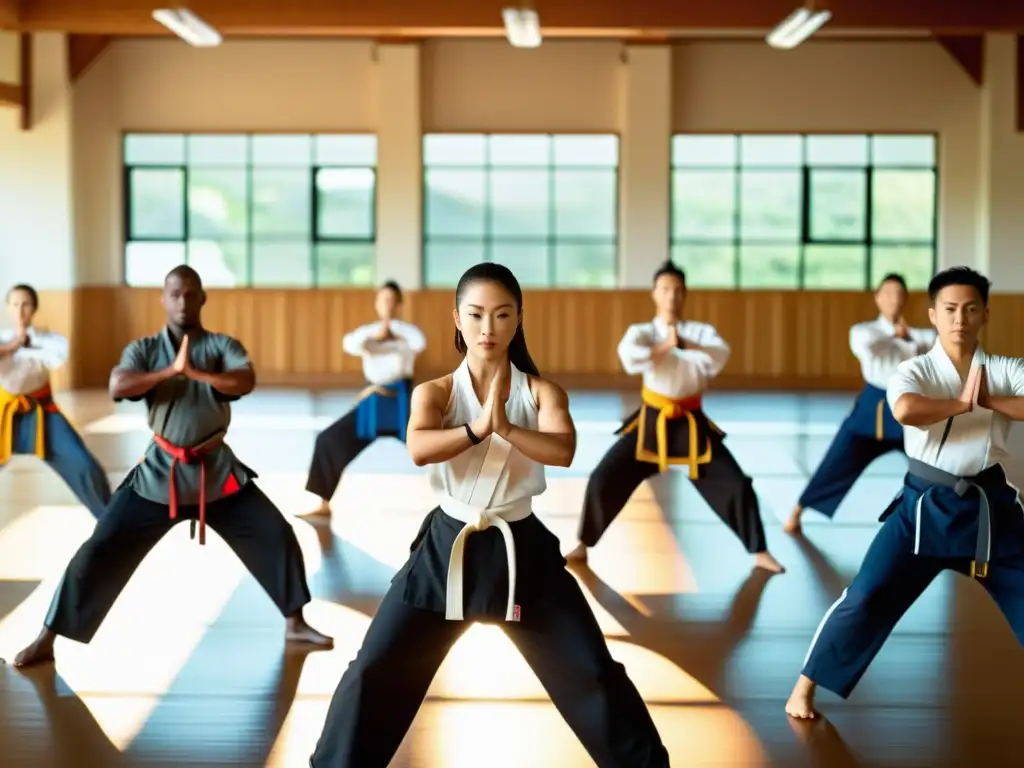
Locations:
(190, 667)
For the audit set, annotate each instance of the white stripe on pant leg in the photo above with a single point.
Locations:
(917, 525)
(821, 626)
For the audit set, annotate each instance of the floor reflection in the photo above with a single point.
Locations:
(191, 667)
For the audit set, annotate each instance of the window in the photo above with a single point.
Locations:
(544, 206)
(817, 212)
(251, 210)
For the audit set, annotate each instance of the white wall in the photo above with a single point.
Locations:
(912, 86)
(36, 221)
(319, 85)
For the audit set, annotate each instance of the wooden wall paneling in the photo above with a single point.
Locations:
(235, 313)
(780, 339)
(334, 317)
(743, 325)
(311, 334)
(777, 358)
(828, 320)
(547, 331)
(142, 314)
(93, 335)
(273, 334)
(432, 312)
(57, 314)
(1004, 334)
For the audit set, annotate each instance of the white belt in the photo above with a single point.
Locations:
(480, 519)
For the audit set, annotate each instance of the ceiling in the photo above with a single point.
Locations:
(623, 19)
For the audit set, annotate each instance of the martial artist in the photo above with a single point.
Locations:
(486, 432)
(956, 510)
(30, 421)
(870, 430)
(388, 348)
(188, 377)
(678, 359)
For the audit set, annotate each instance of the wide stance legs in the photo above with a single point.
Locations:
(891, 578)
(383, 688)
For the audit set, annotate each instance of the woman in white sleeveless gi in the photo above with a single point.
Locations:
(486, 431)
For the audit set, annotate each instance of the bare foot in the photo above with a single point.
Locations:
(579, 554)
(769, 563)
(801, 700)
(39, 652)
(793, 524)
(324, 510)
(298, 631)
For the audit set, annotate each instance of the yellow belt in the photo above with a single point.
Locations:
(879, 430)
(669, 408)
(11, 405)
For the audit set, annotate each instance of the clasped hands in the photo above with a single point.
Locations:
(663, 349)
(975, 391)
(493, 419)
(20, 340)
(182, 365)
(384, 333)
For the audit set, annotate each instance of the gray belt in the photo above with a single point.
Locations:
(928, 473)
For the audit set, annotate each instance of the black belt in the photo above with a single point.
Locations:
(961, 485)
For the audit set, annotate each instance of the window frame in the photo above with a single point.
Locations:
(313, 169)
(552, 240)
(806, 170)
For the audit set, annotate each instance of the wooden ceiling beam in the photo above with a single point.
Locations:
(1020, 83)
(10, 95)
(9, 15)
(968, 51)
(84, 51)
(25, 76)
(558, 17)
(19, 95)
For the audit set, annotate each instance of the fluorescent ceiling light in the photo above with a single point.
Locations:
(522, 27)
(799, 26)
(188, 27)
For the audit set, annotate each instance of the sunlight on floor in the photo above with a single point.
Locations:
(147, 659)
(63, 528)
(149, 634)
(485, 664)
(499, 735)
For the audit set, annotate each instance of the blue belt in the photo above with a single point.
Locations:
(383, 408)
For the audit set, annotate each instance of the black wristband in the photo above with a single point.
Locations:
(472, 438)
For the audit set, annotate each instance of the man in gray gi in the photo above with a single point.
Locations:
(187, 376)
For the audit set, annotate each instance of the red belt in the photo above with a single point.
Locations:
(189, 456)
(44, 397)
